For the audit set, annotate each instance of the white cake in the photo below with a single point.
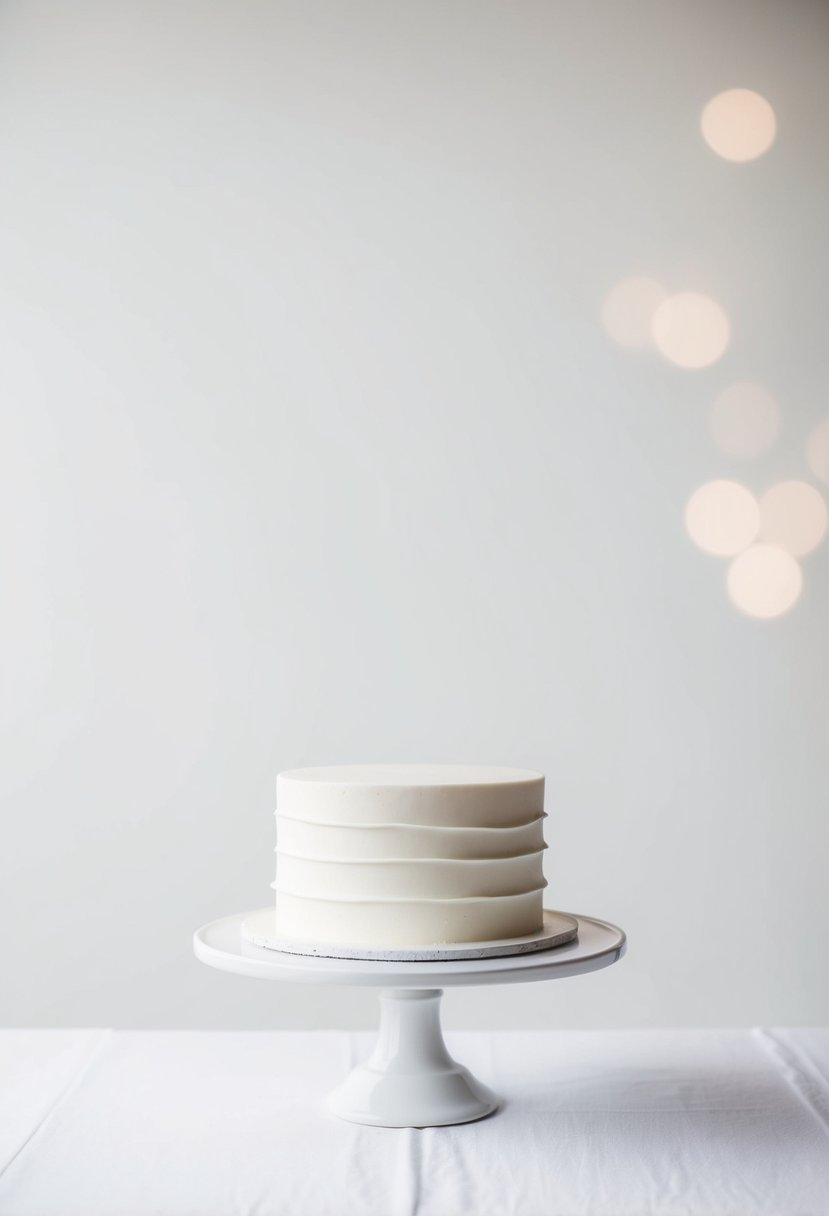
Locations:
(406, 855)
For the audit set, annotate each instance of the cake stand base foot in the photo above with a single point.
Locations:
(410, 1079)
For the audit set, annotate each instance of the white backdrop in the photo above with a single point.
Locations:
(316, 451)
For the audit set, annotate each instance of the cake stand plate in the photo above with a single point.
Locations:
(410, 1079)
(261, 928)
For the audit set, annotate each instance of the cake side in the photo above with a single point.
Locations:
(407, 924)
(409, 855)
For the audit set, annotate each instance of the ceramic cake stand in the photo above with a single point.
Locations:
(410, 1080)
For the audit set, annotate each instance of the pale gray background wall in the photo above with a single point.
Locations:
(316, 450)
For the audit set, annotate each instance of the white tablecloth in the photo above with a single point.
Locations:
(623, 1122)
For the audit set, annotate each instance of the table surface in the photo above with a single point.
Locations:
(181, 1123)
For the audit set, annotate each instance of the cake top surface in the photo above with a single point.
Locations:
(396, 775)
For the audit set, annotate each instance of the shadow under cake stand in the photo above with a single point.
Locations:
(410, 1079)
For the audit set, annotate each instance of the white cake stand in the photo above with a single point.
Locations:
(410, 1079)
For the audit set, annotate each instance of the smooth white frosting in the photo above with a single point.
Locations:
(409, 855)
(441, 795)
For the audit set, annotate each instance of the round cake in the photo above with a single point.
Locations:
(409, 855)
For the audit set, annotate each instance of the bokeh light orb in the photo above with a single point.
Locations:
(764, 581)
(738, 125)
(722, 517)
(691, 329)
(744, 420)
(628, 308)
(817, 452)
(793, 517)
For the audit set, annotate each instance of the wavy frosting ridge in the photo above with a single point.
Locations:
(419, 878)
(408, 855)
(362, 841)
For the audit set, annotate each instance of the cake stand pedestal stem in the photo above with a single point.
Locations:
(410, 1079)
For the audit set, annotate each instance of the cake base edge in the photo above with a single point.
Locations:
(261, 929)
